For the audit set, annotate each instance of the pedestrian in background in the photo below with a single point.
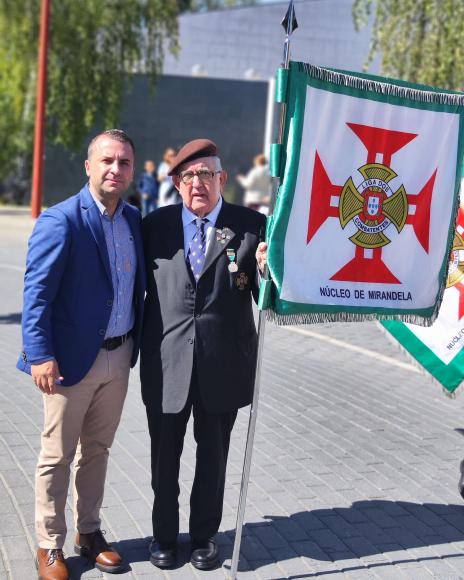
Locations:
(148, 187)
(83, 301)
(257, 185)
(167, 193)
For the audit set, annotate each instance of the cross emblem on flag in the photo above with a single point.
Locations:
(367, 205)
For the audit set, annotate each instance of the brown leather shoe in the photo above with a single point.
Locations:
(51, 565)
(94, 547)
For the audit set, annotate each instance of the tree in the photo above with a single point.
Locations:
(420, 41)
(94, 48)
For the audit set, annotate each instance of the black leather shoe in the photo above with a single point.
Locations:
(461, 481)
(205, 555)
(162, 555)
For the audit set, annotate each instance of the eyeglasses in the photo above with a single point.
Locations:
(204, 175)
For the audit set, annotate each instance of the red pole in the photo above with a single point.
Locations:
(38, 163)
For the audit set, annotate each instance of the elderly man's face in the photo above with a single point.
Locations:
(200, 193)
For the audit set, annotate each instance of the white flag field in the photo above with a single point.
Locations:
(365, 215)
(439, 348)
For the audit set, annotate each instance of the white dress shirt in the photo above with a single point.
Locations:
(190, 227)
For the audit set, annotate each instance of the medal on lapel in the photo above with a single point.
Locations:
(232, 267)
(223, 236)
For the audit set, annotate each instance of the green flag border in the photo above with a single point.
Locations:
(450, 376)
(367, 87)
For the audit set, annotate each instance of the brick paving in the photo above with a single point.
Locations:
(354, 468)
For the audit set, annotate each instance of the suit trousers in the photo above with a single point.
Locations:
(212, 435)
(80, 423)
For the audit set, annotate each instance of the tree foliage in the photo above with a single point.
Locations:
(94, 47)
(419, 41)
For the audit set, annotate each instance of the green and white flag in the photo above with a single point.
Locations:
(364, 219)
(439, 348)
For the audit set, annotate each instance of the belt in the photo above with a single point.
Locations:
(115, 341)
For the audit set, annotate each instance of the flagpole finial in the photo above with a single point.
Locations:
(289, 21)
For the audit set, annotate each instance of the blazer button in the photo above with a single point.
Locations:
(197, 315)
(109, 303)
(101, 332)
(190, 340)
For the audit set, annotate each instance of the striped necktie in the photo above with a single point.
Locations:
(197, 249)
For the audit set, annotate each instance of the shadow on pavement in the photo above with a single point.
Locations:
(132, 550)
(77, 566)
(367, 529)
(14, 318)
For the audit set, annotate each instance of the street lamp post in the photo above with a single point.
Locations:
(38, 163)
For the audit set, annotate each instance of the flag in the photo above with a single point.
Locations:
(364, 220)
(439, 348)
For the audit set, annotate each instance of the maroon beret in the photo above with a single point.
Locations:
(193, 150)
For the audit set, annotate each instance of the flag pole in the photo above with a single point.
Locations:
(289, 23)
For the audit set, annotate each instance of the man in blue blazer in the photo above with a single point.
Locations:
(83, 303)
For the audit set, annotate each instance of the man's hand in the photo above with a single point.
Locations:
(261, 255)
(44, 376)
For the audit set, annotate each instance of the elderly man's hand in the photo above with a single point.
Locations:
(261, 255)
(44, 376)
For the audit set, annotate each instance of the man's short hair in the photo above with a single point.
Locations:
(116, 135)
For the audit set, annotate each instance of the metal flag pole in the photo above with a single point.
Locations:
(290, 24)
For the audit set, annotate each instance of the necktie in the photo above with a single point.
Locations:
(197, 248)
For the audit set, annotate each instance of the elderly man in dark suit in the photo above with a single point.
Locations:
(199, 341)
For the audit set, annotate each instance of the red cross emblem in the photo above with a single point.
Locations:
(367, 264)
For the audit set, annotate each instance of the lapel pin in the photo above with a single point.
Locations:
(221, 236)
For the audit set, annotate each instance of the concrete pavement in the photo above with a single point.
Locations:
(354, 472)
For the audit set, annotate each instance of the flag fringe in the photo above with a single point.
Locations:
(385, 88)
(323, 317)
(415, 363)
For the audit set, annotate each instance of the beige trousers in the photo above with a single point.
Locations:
(80, 423)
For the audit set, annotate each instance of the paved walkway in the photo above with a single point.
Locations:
(354, 469)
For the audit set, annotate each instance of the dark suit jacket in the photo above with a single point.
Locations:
(212, 319)
(68, 291)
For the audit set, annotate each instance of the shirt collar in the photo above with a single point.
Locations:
(102, 209)
(188, 217)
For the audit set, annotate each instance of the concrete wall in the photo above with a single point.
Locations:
(228, 43)
(230, 112)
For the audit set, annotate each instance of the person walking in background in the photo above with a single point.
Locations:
(148, 188)
(83, 303)
(257, 185)
(167, 193)
(198, 352)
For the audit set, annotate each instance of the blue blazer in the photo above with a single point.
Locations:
(68, 291)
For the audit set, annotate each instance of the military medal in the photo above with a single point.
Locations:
(221, 236)
(241, 281)
(232, 267)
